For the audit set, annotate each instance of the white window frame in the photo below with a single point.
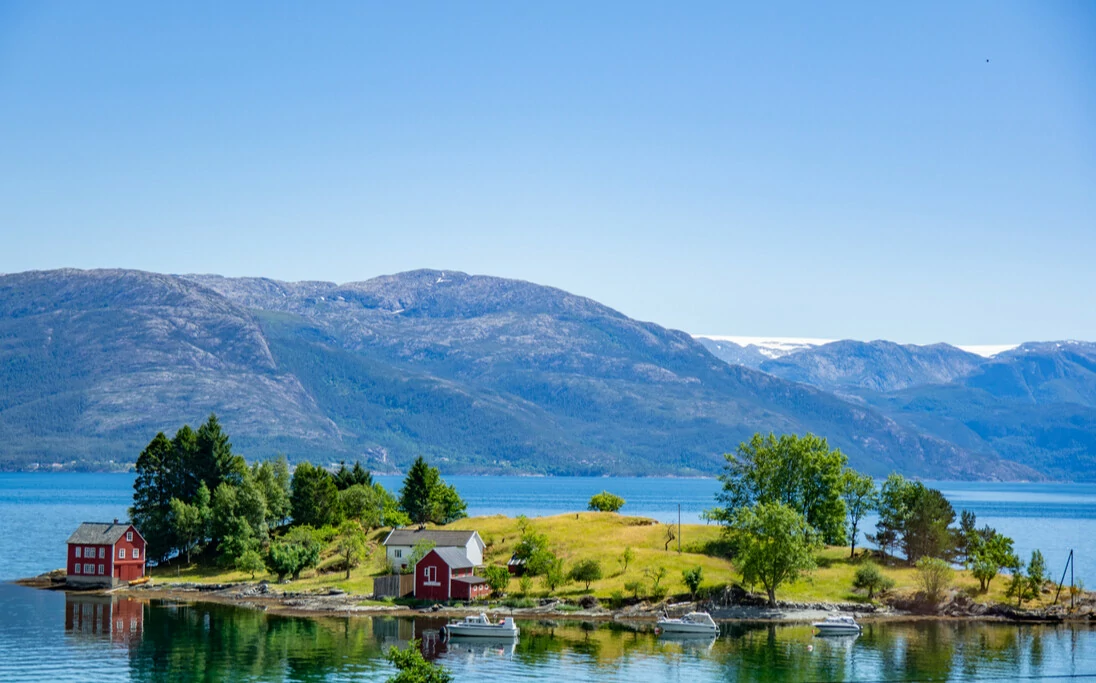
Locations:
(129, 537)
(76, 569)
(430, 574)
(136, 553)
(102, 552)
(79, 551)
(121, 553)
(101, 570)
(89, 569)
(89, 551)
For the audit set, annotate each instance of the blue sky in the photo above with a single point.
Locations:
(818, 169)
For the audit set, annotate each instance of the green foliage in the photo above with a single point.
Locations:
(553, 575)
(1036, 573)
(934, 575)
(498, 578)
(634, 587)
(273, 479)
(626, 558)
(356, 476)
(801, 473)
(916, 518)
(774, 544)
(858, 492)
(425, 497)
(412, 667)
(350, 544)
(693, 578)
(872, 579)
(153, 489)
(251, 562)
(525, 584)
(987, 557)
(586, 571)
(314, 498)
(190, 522)
(605, 502)
(616, 599)
(213, 461)
(297, 551)
(418, 551)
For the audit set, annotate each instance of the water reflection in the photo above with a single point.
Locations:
(205, 642)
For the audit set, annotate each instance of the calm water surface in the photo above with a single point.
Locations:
(47, 636)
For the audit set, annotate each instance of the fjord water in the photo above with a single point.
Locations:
(48, 636)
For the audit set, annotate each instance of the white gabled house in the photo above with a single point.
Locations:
(400, 542)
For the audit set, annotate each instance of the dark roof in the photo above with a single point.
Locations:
(470, 579)
(441, 538)
(98, 533)
(453, 557)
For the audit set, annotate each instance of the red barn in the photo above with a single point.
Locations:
(104, 555)
(445, 574)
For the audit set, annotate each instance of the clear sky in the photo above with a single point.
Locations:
(912, 171)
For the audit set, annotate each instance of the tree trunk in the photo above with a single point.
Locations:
(772, 596)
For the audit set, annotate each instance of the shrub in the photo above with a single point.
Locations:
(525, 584)
(935, 576)
(605, 502)
(251, 561)
(616, 599)
(412, 666)
(626, 558)
(870, 578)
(692, 578)
(498, 578)
(634, 587)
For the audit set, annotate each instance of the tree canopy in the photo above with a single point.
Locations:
(605, 502)
(426, 498)
(802, 473)
(773, 544)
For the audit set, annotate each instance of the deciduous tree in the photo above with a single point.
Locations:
(774, 545)
(605, 502)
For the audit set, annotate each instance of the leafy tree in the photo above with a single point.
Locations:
(525, 584)
(1018, 586)
(634, 587)
(412, 667)
(530, 549)
(314, 499)
(893, 505)
(605, 502)
(541, 562)
(251, 504)
(692, 578)
(361, 503)
(655, 575)
(916, 517)
(498, 578)
(251, 562)
(553, 574)
(418, 551)
(626, 558)
(986, 558)
(858, 492)
(190, 522)
(801, 473)
(586, 571)
(870, 578)
(351, 544)
(273, 479)
(774, 544)
(297, 551)
(426, 498)
(934, 575)
(1036, 573)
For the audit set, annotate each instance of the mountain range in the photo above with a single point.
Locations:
(489, 375)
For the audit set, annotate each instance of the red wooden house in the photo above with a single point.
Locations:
(104, 555)
(445, 574)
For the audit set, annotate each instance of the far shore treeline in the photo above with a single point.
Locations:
(194, 496)
(783, 498)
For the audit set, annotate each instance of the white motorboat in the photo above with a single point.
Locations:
(479, 626)
(693, 623)
(837, 624)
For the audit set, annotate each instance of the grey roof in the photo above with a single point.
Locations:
(441, 538)
(454, 558)
(470, 579)
(98, 533)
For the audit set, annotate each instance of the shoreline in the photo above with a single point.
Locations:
(338, 604)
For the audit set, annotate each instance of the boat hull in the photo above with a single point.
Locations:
(688, 629)
(837, 630)
(498, 632)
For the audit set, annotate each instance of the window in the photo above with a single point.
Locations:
(76, 568)
(78, 549)
(121, 553)
(89, 551)
(431, 574)
(101, 554)
(101, 569)
(89, 569)
(398, 553)
(129, 537)
(136, 553)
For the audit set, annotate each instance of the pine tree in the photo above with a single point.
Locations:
(152, 497)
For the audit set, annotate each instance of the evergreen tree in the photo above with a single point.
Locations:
(272, 477)
(152, 494)
(213, 459)
(314, 498)
(426, 498)
(357, 476)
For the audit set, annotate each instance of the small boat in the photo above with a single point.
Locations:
(482, 627)
(837, 624)
(698, 623)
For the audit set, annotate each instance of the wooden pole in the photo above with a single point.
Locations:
(679, 528)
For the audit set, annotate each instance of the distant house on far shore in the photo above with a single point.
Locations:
(105, 555)
(400, 542)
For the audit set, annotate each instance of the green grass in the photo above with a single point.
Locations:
(603, 536)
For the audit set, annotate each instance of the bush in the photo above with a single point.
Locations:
(616, 599)
(692, 578)
(498, 578)
(250, 562)
(634, 587)
(605, 502)
(870, 578)
(525, 584)
(935, 576)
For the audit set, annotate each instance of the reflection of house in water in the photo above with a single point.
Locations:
(102, 617)
(400, 631)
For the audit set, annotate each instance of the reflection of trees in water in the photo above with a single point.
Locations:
(203, 642)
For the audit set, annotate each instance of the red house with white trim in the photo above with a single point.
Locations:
(104, 555)
(445, 574)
